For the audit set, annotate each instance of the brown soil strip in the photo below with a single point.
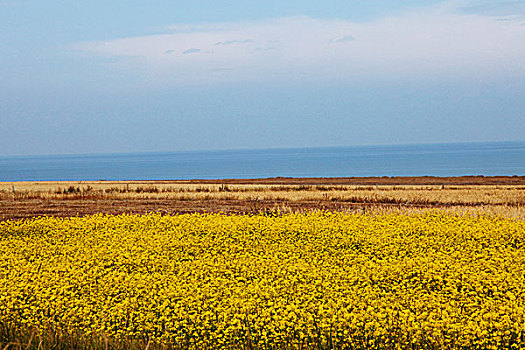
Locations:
(20, 209)
(385, 180)
(338, 181)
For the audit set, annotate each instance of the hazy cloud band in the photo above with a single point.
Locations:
(435, 41)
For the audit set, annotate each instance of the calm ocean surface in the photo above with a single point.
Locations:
(501, 158)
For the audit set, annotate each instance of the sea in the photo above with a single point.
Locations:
(457, 159)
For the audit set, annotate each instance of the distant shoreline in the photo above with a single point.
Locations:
(358, 181)
(373, 180)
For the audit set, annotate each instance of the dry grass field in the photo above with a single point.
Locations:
(495, 195)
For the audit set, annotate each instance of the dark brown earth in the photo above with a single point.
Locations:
(385, 180)
(62, 208)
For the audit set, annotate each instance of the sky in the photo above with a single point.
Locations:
(81, 77)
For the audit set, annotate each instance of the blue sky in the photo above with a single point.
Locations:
(137, 76)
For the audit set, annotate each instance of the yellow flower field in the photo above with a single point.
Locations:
(315, 280)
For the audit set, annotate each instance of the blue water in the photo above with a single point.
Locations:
(497, 158)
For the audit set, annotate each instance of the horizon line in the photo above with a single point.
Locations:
(255, 149)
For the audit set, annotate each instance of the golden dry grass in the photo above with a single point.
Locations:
(26, 199)
(448, 195)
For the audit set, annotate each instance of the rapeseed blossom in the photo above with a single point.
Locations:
(310, 280)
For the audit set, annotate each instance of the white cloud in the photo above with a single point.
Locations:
(435, 42)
